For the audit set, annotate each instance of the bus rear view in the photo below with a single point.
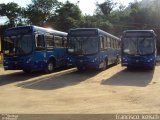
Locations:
(139, 49)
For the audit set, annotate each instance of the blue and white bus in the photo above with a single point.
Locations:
(92, 48)
(139, 48)
(32, 48)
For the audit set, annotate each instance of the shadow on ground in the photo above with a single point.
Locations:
(136, 77)
(21, 76)
(60, 81)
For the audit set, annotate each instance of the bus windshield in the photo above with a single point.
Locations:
(83, 45)
(18, 44)
(142, 46)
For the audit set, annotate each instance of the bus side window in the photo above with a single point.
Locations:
(114, 43)
(64, 42)
(119, 44)
(102, 43)
(108, 42)
(111, 43)
(58, 42)
(105, 43)
(49, 42)
(39, 42)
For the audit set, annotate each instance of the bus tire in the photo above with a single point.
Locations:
(26, 71)
(105, 65)
(152, 68)
(80, 69)
(50, 66)
(129, 68)
(117, 60)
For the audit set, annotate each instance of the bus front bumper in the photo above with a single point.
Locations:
(149, 62)
(84, 64)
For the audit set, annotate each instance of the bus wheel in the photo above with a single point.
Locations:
(50, 67)
(80, 68)
(27, 71)
(104, 65)
(152, 68)
(129, 68)
(117, 61)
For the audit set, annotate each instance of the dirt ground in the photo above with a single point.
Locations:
(115, 90)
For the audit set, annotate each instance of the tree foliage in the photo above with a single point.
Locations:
(106, 7)
(12, 11)
(40, 11)
(67, 16)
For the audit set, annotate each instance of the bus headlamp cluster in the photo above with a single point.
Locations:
(124, 59)
(151, 59)
(5, 62)
(69, 59)
(29, 60)
(94, 60)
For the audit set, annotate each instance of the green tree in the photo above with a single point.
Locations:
(106, 7)
(12, 11)
(40, 11)
(67, 16)
(96, 21)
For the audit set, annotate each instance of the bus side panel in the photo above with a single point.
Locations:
(39, 60)
(112, 54)
(59, 54)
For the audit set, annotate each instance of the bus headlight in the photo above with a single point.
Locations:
(28, 61)
(125, 60)
(94, 60)
(5, 62)
(69, 60)
(151, 59)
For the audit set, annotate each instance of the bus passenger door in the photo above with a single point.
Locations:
(40, 52)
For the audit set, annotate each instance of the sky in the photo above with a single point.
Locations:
(87, 6)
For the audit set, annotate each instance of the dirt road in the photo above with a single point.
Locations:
(115, 90)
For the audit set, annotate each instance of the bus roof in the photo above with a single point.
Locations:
(94, 29)
(40, 29)
(138, 31)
